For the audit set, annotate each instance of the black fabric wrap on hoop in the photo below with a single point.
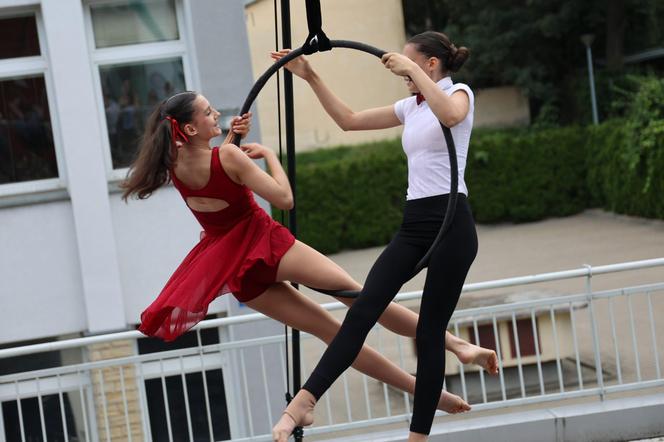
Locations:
(451, 205)
(316, 41)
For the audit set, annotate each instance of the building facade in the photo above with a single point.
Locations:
(78, 79)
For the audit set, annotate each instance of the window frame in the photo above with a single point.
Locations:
(126, 54)
(31, 66)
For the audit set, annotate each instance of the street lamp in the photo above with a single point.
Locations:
(587, 40)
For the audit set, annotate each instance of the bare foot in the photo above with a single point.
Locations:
(452, 404)
(299, 413)
(473, 354)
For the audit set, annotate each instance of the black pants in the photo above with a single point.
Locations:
(446, 273)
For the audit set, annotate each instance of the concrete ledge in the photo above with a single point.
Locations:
(611, 420)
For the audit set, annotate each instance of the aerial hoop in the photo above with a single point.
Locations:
(451, 204)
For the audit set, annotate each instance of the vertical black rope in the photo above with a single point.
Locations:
(281, 212)
(290, 154)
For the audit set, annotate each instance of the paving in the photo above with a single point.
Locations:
(593, 237)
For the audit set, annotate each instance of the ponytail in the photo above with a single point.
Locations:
(157, 150)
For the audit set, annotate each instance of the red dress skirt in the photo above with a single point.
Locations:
(239, 252)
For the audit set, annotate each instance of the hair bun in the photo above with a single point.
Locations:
(457, 58)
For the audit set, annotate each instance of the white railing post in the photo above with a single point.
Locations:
(462, 373)
(206, 393)
(593, 324)
(579, 373)
(501, 374)
(653, 336)
(614, 335)
(481, 371)
(517, 347)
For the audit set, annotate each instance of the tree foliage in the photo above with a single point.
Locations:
(535, 44)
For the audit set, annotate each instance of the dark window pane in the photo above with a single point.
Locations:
(26, 136)
(32, 426)
(130, 94)
(524, 328)
(19, 37)
(486, 335)
(29, 362)
(134, 22)
(197, 407)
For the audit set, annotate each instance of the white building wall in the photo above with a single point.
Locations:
(73, 256)
(76, 107)
(41, 291)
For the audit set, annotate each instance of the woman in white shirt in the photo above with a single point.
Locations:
(427, 61)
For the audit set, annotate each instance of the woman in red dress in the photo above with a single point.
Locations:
(242, 250)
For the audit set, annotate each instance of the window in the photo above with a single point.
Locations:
(19, 37)
(131, 23)
(27, 148)
(41, 397)
(486, 335)
(196, 390)
(164, 380)
(29, 423)
(130, 94)
(524, 328)
(141, 59)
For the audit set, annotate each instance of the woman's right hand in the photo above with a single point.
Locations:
(298, 66)
(256, 151)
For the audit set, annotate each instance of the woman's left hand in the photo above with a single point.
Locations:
(239, 126)
(256, 151)
(399, 64)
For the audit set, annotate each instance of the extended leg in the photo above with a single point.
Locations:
(307, 266)
(287, 305)
(447, 272)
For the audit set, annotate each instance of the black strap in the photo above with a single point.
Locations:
(316, 41)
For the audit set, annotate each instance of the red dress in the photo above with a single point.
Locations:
(238, 253)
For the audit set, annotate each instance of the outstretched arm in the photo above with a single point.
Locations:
(403, 321)
(347, 119)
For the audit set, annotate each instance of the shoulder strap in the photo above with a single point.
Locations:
(216, 163)
(218, 174)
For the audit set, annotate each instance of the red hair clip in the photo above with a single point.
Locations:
(175, 130)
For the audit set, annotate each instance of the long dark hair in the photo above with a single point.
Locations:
(437, 44)
(156, 153)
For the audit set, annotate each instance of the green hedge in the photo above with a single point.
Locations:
(526, 176)
(625, 158)
(349, 198)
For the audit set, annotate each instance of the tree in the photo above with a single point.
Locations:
(534, 44)
(615, 35)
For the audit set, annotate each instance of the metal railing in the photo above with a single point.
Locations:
(553, 348)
